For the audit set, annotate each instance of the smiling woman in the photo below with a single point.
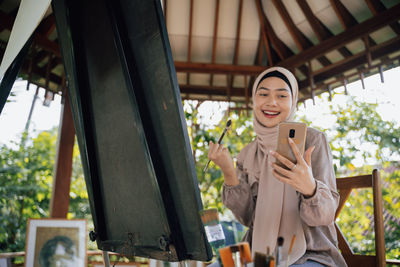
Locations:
(272, 103)
(274, 202)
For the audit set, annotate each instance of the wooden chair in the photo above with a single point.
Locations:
(345, 186)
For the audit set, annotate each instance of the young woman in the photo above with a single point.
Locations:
(272, 201)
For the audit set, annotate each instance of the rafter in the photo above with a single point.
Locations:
(188, 59)
(353, 33)
(210, 90)
(6, 21)
(320, 30)
(376, 7)
(47, 26)
(345, 17)
(236, 51)
(165, 10)
(281, 49)
(263, 35)
(218, 68)
(214, 47)
(300, 39)
(314, 22)
(238, 28)
(377, 52)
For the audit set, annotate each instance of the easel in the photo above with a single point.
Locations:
(106, 259)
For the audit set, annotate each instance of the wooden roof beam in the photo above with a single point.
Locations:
(190, 32)
(6, 21)
(314, 22)
(238, 28)
(320, 30)
(236, 51)
(263, 35)
(345, 17)
(47, 26)
(41, 40)
(281, 49)
(210, 90)
(353, 33)
(165, 11)
(338, 68)
(376, 7)
(189, 53)
(300, 39)
(218, 68)
(214, 47)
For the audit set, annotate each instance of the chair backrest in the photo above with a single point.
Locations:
(345, 186)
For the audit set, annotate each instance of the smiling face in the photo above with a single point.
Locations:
(273, 101)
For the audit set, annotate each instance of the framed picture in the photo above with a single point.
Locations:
(55, 242)
(125, 264)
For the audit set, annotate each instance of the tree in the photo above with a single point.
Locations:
(26, 178)
(360, 133)
(240, 134)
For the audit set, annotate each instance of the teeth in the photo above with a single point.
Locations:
(271, 113)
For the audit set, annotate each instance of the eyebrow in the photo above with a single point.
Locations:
(279, 89)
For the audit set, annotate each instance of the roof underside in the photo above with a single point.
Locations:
(219, 46)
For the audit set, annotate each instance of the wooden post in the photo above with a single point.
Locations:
(381, 73)
(63, 166)
(345, 86)
(378, 220)
(362, 79)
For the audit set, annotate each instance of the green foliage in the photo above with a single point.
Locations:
(26, 178)
(239, 135)
(361, 133)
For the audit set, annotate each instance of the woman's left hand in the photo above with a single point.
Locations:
(299, 175)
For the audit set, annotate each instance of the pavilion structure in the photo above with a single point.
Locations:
(220, 46)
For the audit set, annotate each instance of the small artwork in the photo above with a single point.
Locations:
(55, 242)
(125, 264)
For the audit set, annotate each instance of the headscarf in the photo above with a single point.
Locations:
(277, 206)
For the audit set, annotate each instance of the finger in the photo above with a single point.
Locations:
(282, 178)
(307, 155)
(283, 160)
(212, 149)
(295, 150)
(280, 170)
(220, 147)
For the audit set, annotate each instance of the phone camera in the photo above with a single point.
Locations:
(291, 133)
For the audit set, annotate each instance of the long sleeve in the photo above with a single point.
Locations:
(241, 199)
(320, 209)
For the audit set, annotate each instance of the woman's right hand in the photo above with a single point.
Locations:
(220, 155)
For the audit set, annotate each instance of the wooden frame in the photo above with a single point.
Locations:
(345, 186)
(47, 239)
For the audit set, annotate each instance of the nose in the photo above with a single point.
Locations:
(271, 101)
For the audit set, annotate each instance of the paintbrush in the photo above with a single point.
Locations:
(278, 255)
(290, 250)
(228, 124)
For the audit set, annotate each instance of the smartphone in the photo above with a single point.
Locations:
(297, 132)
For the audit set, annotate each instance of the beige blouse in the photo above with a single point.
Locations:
(317, 212)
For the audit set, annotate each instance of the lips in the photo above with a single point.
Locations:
(270, 114)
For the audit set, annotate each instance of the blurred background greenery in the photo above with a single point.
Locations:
(359, 133)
